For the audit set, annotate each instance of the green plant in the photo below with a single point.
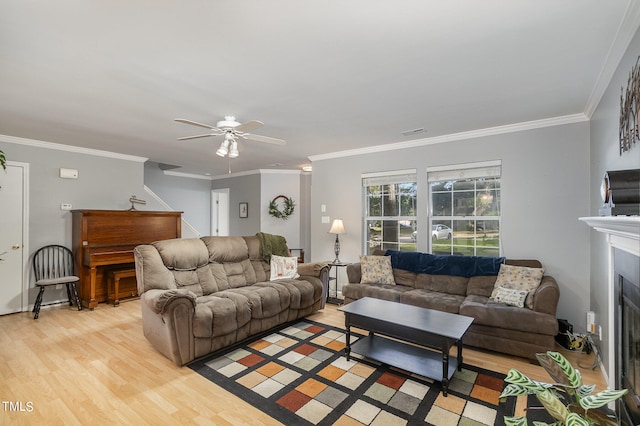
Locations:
(3, 160)
(581, 408)
(287, 209)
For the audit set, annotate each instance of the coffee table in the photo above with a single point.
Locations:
(435, 332)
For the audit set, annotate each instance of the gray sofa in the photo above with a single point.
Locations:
(199, 295)
(512, 330)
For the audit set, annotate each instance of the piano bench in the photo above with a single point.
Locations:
(113, 282)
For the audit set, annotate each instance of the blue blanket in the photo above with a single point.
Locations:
(461, 266)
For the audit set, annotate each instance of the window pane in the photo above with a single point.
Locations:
(389, 200)
(374, 201)
(463, 203)
(470, 209)
(488, 203)
(407, 193)
(442, 204)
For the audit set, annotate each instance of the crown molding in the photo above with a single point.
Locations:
(627, 30)
(70, 148)
(491, 131)
(186, 175)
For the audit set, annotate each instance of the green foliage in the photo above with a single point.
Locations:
(286, 211)
(3, 160)
(568, 381)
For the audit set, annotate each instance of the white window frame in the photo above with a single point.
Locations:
(385, 178)
(478, 170)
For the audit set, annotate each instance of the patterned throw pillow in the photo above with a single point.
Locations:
(511, 296)
(376, 270)
(519, 278)
(284, 267)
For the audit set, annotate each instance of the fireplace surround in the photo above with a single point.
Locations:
(623, 237)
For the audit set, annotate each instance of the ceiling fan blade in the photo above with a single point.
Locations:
(194, 123)
(249, 126)
(265, 139)
(196, 136)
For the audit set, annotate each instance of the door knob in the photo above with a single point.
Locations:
(15, 247)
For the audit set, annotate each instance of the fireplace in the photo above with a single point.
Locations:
(623, 310)
(627, 326)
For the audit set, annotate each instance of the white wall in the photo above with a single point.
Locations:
(242, 189)
(281, 182)
(192, 196)
(103, 183)
(545, 188)
(605, 156)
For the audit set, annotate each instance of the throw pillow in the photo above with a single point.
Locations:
(511, 296)
(376, 270)
(519, 278)
(284, 267)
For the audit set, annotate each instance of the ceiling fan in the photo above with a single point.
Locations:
(232, 131)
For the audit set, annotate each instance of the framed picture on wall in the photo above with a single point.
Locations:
(244, 210)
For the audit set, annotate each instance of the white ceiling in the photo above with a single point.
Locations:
(326, 76)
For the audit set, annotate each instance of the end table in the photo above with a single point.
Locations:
(336, 267)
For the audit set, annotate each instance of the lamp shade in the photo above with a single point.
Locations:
(337, 227)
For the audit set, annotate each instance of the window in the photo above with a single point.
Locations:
(465, 209)
(390, 211)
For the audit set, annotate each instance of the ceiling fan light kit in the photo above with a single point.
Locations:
(232, 130)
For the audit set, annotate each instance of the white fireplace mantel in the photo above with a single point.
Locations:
(623, 231)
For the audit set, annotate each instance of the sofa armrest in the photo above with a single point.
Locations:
(167, 322)
(354, 273)
(547, 296)
(312, 269)
(318, 271)
(162, 301)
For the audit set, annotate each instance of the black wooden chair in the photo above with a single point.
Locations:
(53, 265)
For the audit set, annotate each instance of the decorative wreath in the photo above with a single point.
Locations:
(287, 209)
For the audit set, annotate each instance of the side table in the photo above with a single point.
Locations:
(336, 267)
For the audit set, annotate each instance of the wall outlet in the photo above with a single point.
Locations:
(66, 206)
(591, 322)
(600, 332)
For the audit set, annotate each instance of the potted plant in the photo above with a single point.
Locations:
(3, 160)
(581, 408)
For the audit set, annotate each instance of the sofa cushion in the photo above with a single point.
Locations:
(493, 314)
(519, 278)
(220, 314)
(445, 302)
(187, 260)
(376, 270)
(443, 283)
(390, 292)
(481, 286)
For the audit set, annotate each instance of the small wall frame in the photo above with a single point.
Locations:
(243, 210)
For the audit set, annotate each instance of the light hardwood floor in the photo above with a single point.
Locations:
(96, 367)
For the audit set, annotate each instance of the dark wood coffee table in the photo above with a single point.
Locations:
(435, 332)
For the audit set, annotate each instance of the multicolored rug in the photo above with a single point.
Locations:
(299, 375)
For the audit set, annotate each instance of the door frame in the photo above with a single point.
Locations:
(220, 203)
(25, 231)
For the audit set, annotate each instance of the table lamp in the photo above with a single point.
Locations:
(337, 227)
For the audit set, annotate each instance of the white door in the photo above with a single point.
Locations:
(220, 212)
(13, 232)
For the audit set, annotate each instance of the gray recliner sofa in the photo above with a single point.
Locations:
(199, 295)
(498, 327)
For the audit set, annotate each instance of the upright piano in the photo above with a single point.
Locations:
(103, 240)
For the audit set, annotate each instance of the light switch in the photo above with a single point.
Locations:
(68, 173)
(323, 208)
(325, 219)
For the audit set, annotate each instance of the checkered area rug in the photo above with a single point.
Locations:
(299, 375)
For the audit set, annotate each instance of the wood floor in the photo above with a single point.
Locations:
(96, 367)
